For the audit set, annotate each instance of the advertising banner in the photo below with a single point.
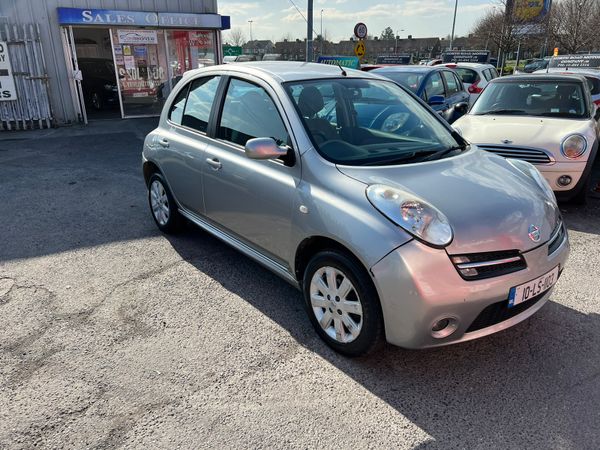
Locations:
(531, 11)
(7, 82)
(350, 62)
(471, 56)
(394, 59)
(575, 62)
(137, 36)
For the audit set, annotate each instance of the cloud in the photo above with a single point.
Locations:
(237, 8)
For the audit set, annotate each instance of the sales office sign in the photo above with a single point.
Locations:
(7, 83)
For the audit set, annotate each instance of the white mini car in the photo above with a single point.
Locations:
(474, 76)
(548, 120)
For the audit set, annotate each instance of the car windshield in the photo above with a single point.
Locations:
(369, 122)
(532, 98)
(411, 80)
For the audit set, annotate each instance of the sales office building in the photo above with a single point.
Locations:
(120, 62)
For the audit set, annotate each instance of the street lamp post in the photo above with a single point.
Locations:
(250, 22)
(453, 24)
(309, 32)
(321, 32)
(396, 41)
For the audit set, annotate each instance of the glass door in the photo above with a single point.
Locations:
(141, 66)
(189, 49)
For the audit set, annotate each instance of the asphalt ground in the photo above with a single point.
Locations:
(114, 335)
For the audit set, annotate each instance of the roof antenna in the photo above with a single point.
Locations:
(343, 71)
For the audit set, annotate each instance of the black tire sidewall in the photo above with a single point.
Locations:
(372, 329)
(174, 222)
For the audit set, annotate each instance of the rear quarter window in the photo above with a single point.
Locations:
(594, 85)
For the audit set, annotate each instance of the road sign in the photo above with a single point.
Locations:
(360, 30)
(7, 83)
(360, 49)
(232, 50)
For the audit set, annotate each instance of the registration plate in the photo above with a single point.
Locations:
(526, 291)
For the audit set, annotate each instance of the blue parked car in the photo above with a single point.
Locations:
(440, 87)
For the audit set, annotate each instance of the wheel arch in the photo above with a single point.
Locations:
(312, 245)
(149, 168)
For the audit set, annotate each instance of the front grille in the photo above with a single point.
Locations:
(499, 312)
(557, 238)
(532, 155)
(479, 266)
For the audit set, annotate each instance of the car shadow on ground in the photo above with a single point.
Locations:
(534, 385)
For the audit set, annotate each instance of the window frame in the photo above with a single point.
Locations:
(431, 75)
(447, 87)
(187, 88)
(213, 126)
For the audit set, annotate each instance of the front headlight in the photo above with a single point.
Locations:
(419, 218)
(531, 171)
(573, 146)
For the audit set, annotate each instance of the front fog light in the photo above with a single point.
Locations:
(564, 180)
(444, 327)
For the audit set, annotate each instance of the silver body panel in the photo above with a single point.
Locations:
(267, 210)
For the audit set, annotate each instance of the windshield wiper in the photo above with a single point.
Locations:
(394, 160)
(440, 153)
(502, 111)
(560, 114)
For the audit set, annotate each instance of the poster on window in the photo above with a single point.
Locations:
(137, 36)
(129, 62)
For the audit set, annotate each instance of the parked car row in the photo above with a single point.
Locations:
(347, 185)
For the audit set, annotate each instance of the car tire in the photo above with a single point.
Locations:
(162, 205)
(582, 195)
(347, 315)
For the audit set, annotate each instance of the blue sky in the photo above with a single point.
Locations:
(275, 19)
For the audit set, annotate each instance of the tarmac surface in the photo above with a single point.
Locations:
(114, 335)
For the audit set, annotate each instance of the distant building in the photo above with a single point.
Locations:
(258, 48)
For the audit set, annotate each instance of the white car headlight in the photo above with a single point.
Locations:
(573, 146)
(415, 215)
(531, 171)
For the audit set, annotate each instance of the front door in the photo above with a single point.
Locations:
(253, 199)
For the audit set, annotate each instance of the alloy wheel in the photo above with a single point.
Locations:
(159, 202)
(336, 304)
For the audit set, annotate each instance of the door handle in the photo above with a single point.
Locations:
(214, 163)
(163, 143)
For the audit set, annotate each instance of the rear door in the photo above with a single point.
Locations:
(185, 140)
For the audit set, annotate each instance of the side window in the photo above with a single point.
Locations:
(176, 109)
(487, 74)
(434, 86)
(494, 73)
(451, 83)
(199, 103)
(249, 112)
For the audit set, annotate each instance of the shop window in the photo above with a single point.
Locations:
(189, 49)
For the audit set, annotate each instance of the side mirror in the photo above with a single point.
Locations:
(436, 100)
(264, 148)
(461, 108)
(597, 112)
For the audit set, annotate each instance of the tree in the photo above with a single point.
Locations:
(573, 25)
(388, 34)
(237, 37)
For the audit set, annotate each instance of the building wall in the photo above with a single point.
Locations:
(43, 12)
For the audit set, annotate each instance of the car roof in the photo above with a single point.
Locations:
(470, 65)
(414, 68)
(575, 70)
(540, 77)
(283, 71)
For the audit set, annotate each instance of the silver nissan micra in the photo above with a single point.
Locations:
(350, 188)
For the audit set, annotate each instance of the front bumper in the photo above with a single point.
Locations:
(419, 285)
(553, 172)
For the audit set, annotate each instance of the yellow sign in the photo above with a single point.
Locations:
(360, 49)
